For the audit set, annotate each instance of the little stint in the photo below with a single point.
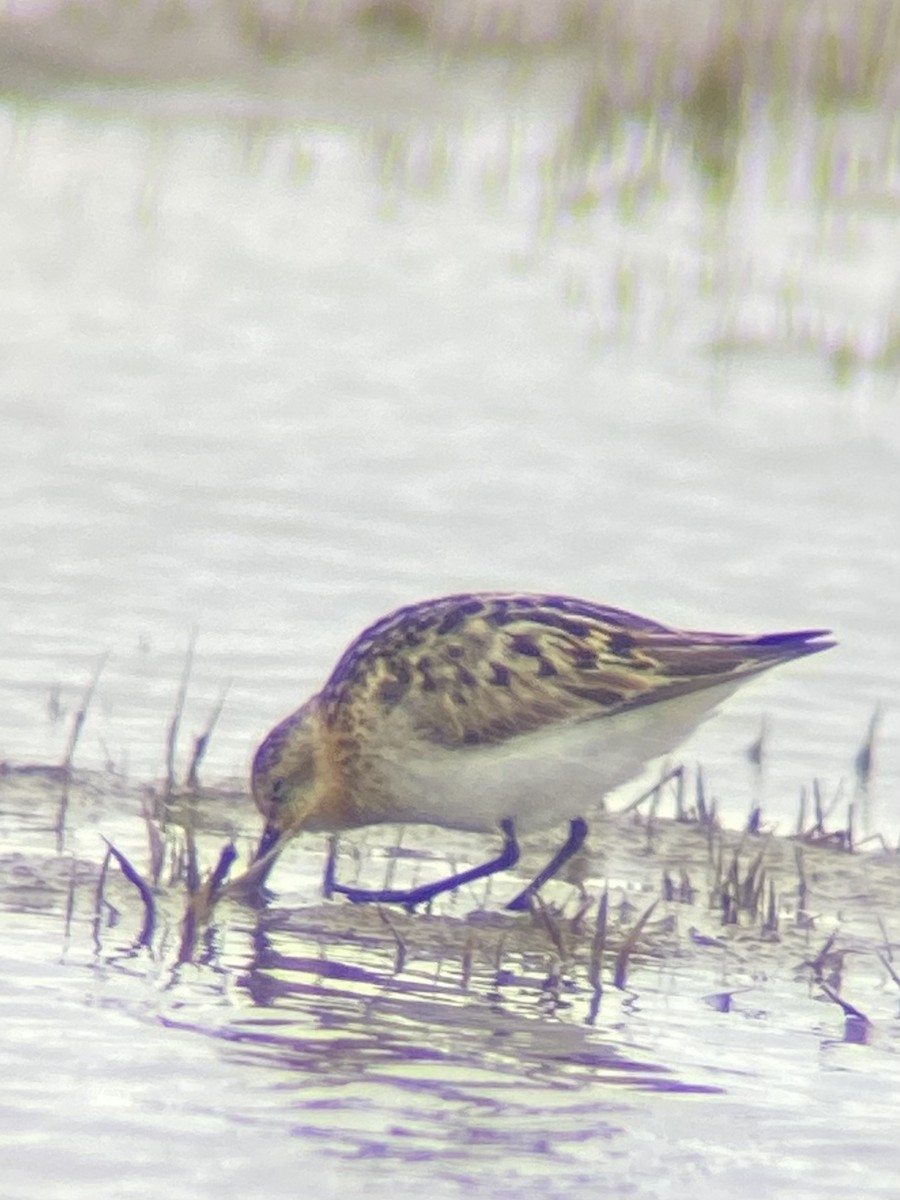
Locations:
(495, 712)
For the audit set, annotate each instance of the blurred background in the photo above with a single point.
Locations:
(313, 309)
(309, 310)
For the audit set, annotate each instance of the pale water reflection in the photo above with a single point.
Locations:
(275, 410)
(458, 1051)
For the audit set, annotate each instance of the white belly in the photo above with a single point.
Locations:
(544, 778)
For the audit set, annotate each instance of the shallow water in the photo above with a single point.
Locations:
(273, 377)
(276, 358)
(346, 1047)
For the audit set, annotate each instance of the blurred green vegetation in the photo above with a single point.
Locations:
(776, 122)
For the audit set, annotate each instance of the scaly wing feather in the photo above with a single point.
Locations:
(485, 667)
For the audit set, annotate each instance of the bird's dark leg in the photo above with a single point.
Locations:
(577, 833)
(507, 857)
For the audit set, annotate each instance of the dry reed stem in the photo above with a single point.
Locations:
(625, 950)
(201, 743)
(549, 923)
(466, 962)
(155, 841)
(177, 714)
(889, 967)
(680, 814)
(801, 813)
(77, 726)
(864, 762)
(145, 937)
(756, 751)
(70, 898)
(203, 899)
(99, 898)
(770, 925)
(848, 1009)
(666, 775)
(598, 942)
(400, 955)
(703, 815)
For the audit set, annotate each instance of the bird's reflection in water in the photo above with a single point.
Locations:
(418, 1036)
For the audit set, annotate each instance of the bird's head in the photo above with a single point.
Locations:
(284, 777)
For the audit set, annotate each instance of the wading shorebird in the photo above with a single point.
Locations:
(491, 712)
